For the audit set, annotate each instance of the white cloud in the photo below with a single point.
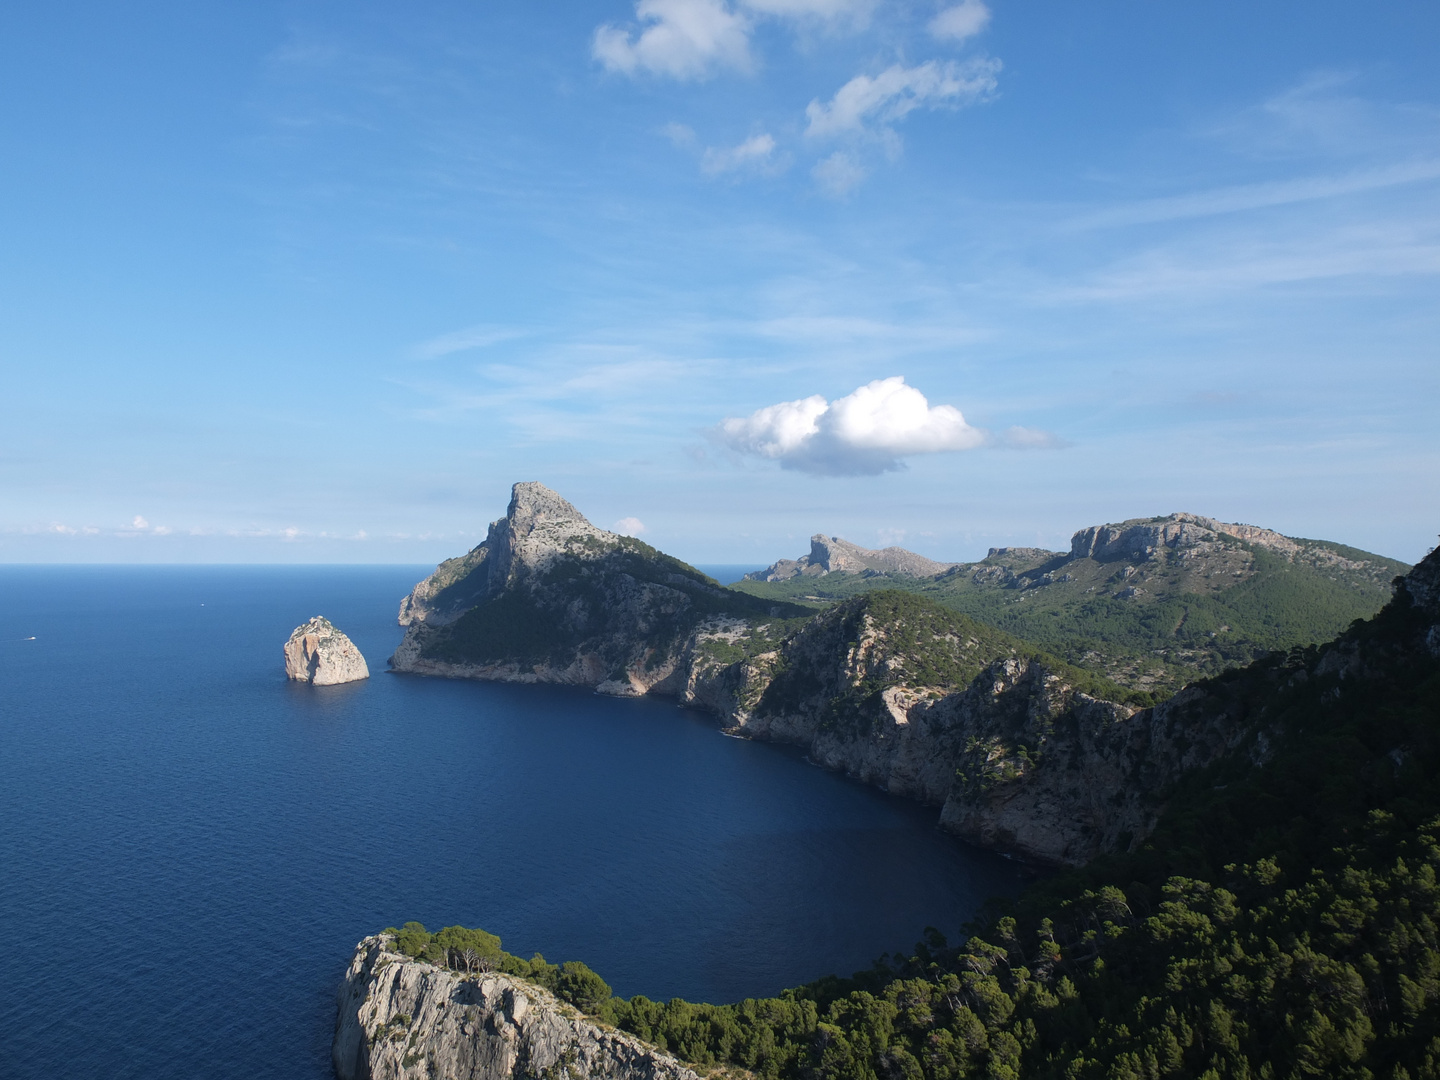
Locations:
(800, 9)
(862, 434)
(962, 21)
(685, 39)
(755, 153)
(139, 523)
(838, 174)
(681, 135)
(630, 526)
(897, 91)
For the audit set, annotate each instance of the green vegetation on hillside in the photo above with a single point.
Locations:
(912, 640)
(1282, 922)
(578, 599)
(1152, 625)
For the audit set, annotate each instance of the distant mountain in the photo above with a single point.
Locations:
(830, 555)
(1153, 603)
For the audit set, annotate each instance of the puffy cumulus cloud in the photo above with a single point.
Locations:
(755, 154)
(685, 39)
(883, 99)
(864, 433)
(629, 526)
(962, 21)
(139, 523)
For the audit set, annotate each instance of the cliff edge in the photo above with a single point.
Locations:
(399, 1016)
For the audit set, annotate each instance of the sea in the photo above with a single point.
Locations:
(191, 845)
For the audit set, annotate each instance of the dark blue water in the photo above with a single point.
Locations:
(190, 846)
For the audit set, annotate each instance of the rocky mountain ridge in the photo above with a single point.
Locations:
(1152, 603)
(399, 1016)
(1019, 750)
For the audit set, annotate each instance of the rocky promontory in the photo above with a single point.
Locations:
(400, 1016)
(548, 597)
(1020, 749)
(320, 654)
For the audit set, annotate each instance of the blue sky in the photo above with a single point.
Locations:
(290, 282)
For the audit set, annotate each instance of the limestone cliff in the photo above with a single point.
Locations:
(1020, 751)
(401, 1017)
(548, 597)
(318, 653)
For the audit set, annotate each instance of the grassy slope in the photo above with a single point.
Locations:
(1187, 620)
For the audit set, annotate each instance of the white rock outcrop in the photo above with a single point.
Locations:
(402, 1017)
(318, 653)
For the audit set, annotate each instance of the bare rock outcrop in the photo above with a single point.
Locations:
(401, 1017)
(830, 554)
(320, 654)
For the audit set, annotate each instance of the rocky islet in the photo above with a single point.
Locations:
(320, 654)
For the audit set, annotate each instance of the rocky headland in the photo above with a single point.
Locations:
(320, 654)
(1280, 921)
(548, 597)
(399, 1016)
(1019, 751)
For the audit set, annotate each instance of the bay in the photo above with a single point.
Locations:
(190, 845)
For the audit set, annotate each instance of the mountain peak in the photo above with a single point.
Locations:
(532, 502)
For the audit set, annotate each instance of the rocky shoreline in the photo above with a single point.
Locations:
(399, 1016)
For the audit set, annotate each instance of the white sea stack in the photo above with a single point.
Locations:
(318, 653)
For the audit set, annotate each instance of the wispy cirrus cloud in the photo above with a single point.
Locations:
(1242, 197)
(472, 337)
(964, 20)
(871, 101)
(755, 154)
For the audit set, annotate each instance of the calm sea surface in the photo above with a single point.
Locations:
(190, 846)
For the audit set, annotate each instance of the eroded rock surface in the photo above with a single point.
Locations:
(401, 1017)
(319, 653)
(830, 554)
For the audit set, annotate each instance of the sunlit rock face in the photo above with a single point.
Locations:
(403, 1017)
(320, 654)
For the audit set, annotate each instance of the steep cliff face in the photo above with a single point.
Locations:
(400, 1017)
(319, 653)
(550, 598)
(1020, 751)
